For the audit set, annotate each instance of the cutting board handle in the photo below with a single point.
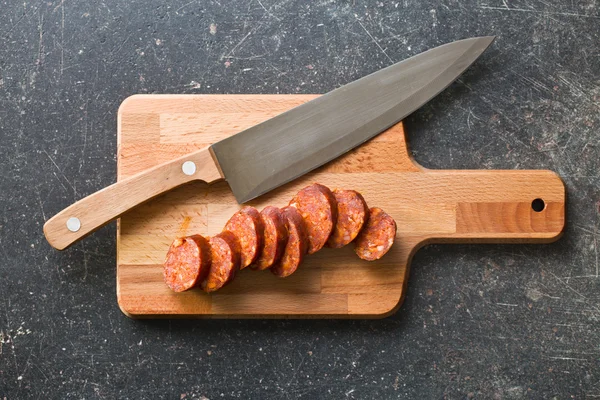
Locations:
(96, 210)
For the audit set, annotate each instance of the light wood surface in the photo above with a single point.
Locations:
(428, 205)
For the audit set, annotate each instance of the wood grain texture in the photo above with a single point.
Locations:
(428, 205)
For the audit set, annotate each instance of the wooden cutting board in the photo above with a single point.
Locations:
(428, 205)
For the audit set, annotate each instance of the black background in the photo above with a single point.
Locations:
(483, 321)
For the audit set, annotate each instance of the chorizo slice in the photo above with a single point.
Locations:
(276, 237)
(225, 254)
(353, 212)
(247, 225)
(377, 237)
(187, 262)
(318, 207)
(297, 244)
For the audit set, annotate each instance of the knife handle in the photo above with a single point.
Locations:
(96, 210)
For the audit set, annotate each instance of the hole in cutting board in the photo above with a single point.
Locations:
(538, 205)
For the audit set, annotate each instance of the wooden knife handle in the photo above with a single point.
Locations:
(98, 209)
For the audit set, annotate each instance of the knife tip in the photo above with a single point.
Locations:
(481, 43)
(488, 39)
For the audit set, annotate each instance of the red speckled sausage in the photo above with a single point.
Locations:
(297, 244)
(276, 237)
(377, 237)
(318, 207)
(247, 225)
(225, 253)
(187, 262)
(353, 212)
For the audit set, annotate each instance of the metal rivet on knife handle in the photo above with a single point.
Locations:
(189, 168)
(73, 224)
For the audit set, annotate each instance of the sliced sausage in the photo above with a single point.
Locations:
(377, 237)
(318, 207)
(187, 262)
(247, 225)
(276, 237)
(297, 244)
(353, 212)
(225, 253)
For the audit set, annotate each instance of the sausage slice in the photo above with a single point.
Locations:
(247, 225)
(276, 237)
(225, 253)
(187, 262)
(377, 237)
(353, 212)
(297, 244)
(318, 207)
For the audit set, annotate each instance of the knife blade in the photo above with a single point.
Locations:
(285, 147)
(291, 144)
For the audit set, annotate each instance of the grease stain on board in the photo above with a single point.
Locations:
(183, 228)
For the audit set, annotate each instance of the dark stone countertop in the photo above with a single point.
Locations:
(482, 321)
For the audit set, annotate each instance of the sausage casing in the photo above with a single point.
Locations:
(276, 237)
(377, 237)
(353, 212)
(247, 225)
(297, 244)
(187, 262)
(225, 254)
(318, 207)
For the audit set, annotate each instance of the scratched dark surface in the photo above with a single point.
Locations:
(479, 321)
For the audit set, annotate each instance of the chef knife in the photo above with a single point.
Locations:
(285, 147)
